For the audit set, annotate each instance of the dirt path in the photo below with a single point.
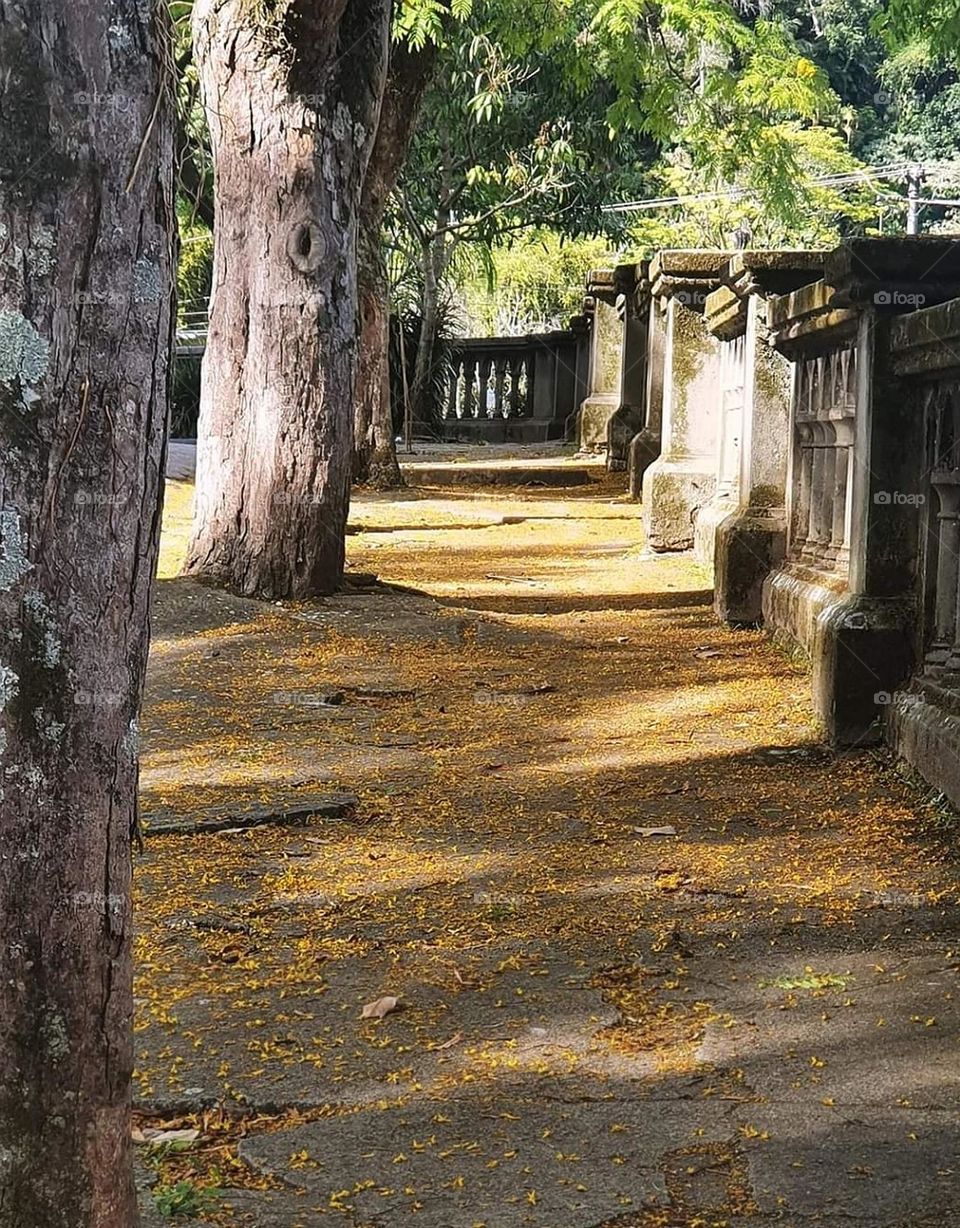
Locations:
(751, 1021)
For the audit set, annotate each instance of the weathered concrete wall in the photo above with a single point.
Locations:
(606, 349)
(683, 478)
(745, 523)
(850, 589)
(645, 445)
(923, 718)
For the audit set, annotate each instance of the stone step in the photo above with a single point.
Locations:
(504, 473)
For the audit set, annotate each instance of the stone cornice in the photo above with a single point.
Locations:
(808, 319)
(927, 343)
(894, 274)
(725, 313)
(602, 285)
(687, 274)
(760, 272)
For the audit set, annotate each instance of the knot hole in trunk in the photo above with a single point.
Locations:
(306, 247)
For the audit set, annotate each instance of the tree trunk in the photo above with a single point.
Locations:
(86, 318)
(191, 180)
(292, 105)
(375, 453)
(432, 266)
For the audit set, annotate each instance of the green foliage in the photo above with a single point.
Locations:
(697, 78)
(537, 284)
(194, 272)
(821, 216)
(544, 112)
(184, 1199)
(425, 21)
(936, 22)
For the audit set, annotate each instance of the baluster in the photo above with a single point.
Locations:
(454, 398)
(804, 489)
(470, 387)
(499, 379)
(828, 496)
(817, 395)
(803, 460)
(515, 363)
(483, 367)
(815, 522)
(843, 493)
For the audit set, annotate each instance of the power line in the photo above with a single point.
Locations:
(890, 170)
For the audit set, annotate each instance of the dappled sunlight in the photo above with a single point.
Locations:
(597, 853)
(177, 522)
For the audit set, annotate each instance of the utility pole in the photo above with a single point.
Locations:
(915, 178)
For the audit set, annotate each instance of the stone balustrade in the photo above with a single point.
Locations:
(516, 389)
(794, 417)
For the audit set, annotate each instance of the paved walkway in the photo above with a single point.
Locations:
(658, 958)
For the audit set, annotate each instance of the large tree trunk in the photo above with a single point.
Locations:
(292, 105)
(375, 454)
(86, 311)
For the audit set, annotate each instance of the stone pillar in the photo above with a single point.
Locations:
(849, 594)
(630, 415)
(583, 327)
(606, 342)
(683, 477)
(645, 446)
(744, 526)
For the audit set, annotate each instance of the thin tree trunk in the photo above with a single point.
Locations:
(292, 109)
(191, 180)
(433, 262)
(86, 317)
(375, 454)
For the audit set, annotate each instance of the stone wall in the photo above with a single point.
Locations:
(922, 717)
(682, 478)
(848, 590)
(794, 418)
(742, 530)
(604, 371)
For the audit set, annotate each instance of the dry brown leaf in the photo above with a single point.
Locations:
(382, 1007)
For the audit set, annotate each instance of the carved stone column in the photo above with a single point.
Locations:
(683, 478)
(606, 345)
(745, 524)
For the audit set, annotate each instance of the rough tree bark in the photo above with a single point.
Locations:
(292, 93)
(375, 453)
(86, 316)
